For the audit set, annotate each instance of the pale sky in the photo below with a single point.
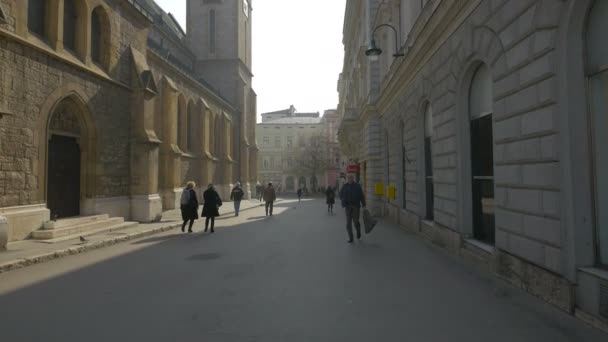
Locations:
(297, 51)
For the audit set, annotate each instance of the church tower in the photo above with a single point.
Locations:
(219, 34)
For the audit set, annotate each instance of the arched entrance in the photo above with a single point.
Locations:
(66, 158)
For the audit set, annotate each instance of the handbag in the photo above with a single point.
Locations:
(368, 221)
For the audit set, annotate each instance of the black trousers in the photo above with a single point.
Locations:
(352, 215)
(207, 220)
(269, 205)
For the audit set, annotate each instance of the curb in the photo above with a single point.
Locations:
(38, 259)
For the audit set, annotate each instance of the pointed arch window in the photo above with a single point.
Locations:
(597, 87)
(36, 14)
(482, 155)
(100, 37)
(70, 20)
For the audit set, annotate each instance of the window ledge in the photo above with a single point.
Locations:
(482, 246)
(596, 272)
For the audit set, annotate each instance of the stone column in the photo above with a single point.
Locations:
(170, 166)
(146, 204)
(206, 159)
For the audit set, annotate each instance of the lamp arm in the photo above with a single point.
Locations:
(396, 37)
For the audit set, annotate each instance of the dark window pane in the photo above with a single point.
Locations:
(428, 161)
(35, 16)
(212, 31)
(96, 36)
(69, 25)
(482, 167)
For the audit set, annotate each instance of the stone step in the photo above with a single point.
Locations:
(107, 229)
(46, 234)
(74, 221)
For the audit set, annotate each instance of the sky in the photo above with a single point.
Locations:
(297, 51)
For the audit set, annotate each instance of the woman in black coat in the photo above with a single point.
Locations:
(189, 206)
(211, 206)
(330, 195)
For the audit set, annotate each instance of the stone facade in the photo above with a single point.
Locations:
(141, 118)
(546, 237)
(283, 136)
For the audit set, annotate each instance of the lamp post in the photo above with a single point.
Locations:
(375, 51)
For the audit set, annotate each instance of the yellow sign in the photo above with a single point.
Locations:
(391, 192)
(379, 189)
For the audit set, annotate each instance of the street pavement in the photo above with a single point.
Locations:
(289, 277)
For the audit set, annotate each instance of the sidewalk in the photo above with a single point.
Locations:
(25, 253)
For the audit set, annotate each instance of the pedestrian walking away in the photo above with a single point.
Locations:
(269, 197)
(189, 206)
(300, 195)
(236, 196)
(211, 206)
(258, 191)
(330, 196)
(352, 198)
(261, 196)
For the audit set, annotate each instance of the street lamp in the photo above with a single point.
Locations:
(373, 52)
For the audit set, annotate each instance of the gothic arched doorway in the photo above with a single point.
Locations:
(67, 147)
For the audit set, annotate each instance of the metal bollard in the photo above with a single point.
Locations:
(3, 233)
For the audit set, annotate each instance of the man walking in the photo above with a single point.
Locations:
(352, 198)
(269, 197)
(237, 195)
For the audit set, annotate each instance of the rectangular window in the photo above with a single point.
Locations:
(212, 32)
(598, 88)
(277, 142)
(482, 168)
(266, 141)
(36, 12)
(428, 181)
(289, 142)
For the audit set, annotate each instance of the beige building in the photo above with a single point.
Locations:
(479, 127)
(109, 107)
(282, 136)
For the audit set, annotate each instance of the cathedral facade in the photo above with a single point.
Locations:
(109, 107)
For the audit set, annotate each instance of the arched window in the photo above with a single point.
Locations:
(597, 79)
(428, 163)
(403, 168)
(482, 154)
(100, 37)
(70, 19)
(191, 129)
(212, 33)
(36, 13)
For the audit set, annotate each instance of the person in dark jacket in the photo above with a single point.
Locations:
(299, 195)
(236, 196)
(330, 196)
(189, 206)
(211, 206)
(270, 196)
(352, 198)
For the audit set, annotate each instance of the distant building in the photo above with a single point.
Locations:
(282, 136)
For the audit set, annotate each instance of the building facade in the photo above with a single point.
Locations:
(109, 107)
(286, 140)
(480, 131)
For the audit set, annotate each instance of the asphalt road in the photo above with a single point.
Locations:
(290, 277)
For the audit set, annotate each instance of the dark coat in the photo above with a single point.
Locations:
(270, 195)
(352, 195)
(189, 211)
(237, 194)
(212, 203)
(330, 196)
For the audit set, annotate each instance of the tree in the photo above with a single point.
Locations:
(313, 158)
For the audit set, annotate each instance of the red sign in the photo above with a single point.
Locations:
(353, 168)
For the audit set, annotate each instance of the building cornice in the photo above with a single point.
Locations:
(446, 17)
